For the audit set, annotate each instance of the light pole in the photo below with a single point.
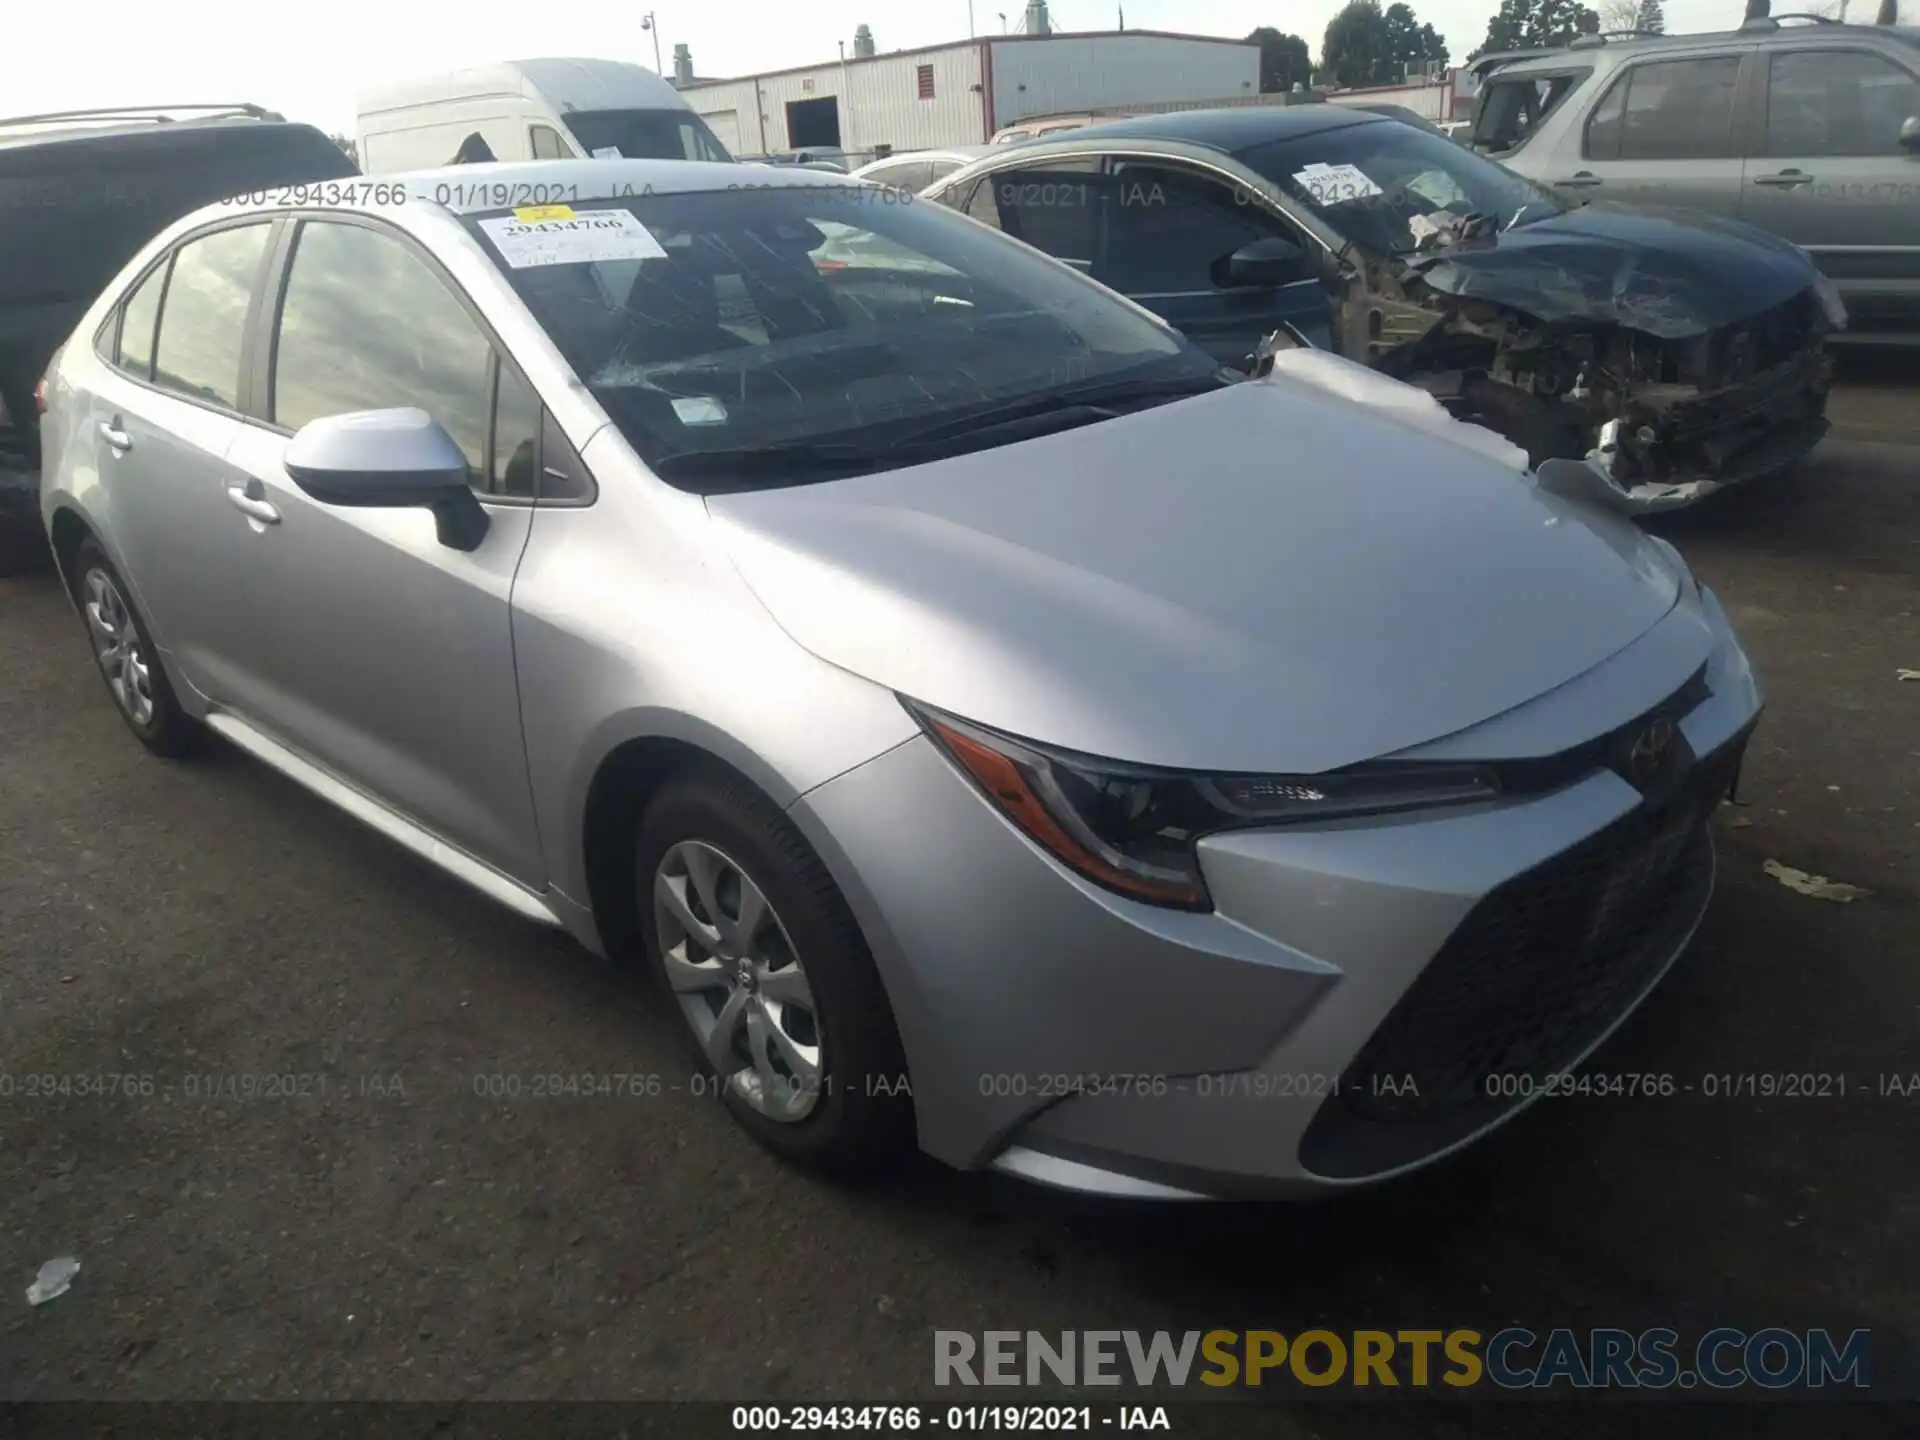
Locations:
(647, 23)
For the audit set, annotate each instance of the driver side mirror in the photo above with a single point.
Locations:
(1910, 135)
(1263, 265)
(389, 459)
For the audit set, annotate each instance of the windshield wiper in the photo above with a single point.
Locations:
(1077, 404)
(814, 460)
(772, 462)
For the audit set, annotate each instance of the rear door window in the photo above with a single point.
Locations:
(204, 315)
(1668, 110)
(1054, 206)
(1837, 102)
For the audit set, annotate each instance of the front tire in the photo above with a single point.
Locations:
(762, 957)
(128, 659)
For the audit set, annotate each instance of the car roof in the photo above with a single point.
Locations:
(1761, 33)
(156, 125)
(476, 189)
(569, 82)
(1230, 130)
(938, 152)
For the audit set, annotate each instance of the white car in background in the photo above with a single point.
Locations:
(916, 170)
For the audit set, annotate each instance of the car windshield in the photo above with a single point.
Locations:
(1394, 189)
(646, 134)
(777, 316)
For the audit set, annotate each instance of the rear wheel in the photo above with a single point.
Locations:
(128, 660)
(763, 959)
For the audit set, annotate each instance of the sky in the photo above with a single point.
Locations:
(309, 61)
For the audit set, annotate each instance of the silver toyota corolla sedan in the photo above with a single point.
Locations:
(1000, 729)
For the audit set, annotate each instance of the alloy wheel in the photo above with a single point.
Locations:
(739, 981)
(117, 645)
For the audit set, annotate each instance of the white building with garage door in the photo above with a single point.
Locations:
(961, 93)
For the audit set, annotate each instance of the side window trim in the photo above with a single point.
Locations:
(566, 467)
(273, 295)
(1621, 83)
(261, 309)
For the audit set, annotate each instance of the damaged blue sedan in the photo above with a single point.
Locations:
(1669, 356)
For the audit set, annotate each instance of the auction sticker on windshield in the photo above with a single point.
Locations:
(556, 235)
(1334, 184)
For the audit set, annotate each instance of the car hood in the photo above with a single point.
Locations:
(1667, 274)
(1271, 578)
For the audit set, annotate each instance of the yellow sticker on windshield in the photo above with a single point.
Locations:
(532, 214)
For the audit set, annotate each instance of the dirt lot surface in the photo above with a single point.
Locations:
(401, 1236)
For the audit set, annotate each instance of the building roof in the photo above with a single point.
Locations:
(1233, 130)
(945, 45)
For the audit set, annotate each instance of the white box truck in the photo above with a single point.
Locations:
(530, 110)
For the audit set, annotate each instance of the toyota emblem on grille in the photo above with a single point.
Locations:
(1650, 751)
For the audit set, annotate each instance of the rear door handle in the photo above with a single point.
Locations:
(1579, 180)
(252, 502)
(111, 432)
(1785, 180)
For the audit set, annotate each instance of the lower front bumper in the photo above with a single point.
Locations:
(1706, 443)
(1075, 1038)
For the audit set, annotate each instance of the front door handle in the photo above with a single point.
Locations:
(252, 502)
(1785, 180)
(1579, 180)
(111, 432)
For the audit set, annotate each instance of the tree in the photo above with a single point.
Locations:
(1410, 44)
(1354, 51)
(1284, 61)
(1534, 25)
(1650, 17)
(1620, 14)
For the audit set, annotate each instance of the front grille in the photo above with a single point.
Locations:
(1538, 970)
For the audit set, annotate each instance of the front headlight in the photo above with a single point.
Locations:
(1132, 828)
(1828, 295)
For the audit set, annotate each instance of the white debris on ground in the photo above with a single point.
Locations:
(1906, 674)
(54, 1280)
(1817, 887)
